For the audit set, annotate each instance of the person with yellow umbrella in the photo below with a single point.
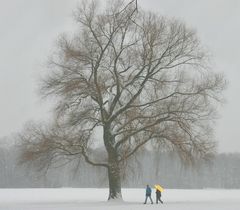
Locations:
(159, 191)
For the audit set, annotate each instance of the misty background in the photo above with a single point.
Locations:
(147, 167)
(28, 33)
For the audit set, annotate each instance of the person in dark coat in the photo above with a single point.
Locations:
(158, 196)
(148, 194)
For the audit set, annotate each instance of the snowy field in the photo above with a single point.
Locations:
(95, 199)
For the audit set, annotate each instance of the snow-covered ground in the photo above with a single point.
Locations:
(95, 199)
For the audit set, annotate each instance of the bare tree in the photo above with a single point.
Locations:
(128, 79)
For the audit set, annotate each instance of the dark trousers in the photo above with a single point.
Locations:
(158, 198)
(148, 196)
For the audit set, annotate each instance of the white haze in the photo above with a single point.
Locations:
(29, 29)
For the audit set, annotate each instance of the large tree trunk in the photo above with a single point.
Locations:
(114, 176)
(114, 181)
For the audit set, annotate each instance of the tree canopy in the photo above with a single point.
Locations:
(127, 78)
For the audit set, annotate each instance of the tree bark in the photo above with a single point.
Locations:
(114, 181)
(114, 175)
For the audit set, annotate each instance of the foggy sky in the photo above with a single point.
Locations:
(29, 29)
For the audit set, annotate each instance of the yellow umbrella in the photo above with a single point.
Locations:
(158, 187)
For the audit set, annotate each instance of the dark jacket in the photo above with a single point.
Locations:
(158, 193)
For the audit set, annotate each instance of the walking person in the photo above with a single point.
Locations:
(148, 194)
(158, 196)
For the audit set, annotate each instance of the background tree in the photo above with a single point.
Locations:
(127, 78)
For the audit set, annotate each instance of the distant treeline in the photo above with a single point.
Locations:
(147, 168)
